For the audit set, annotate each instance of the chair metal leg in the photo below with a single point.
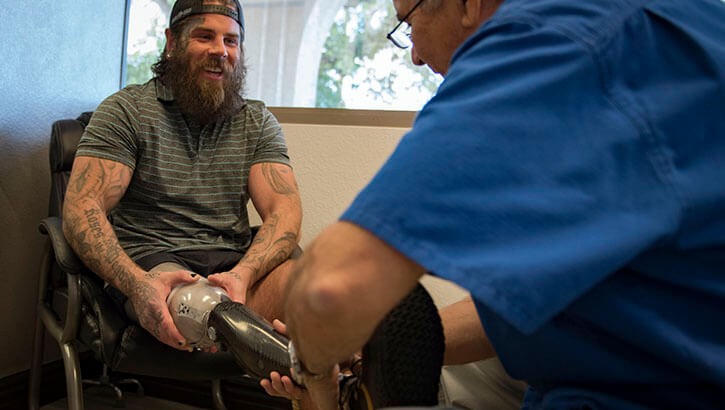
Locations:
(73, 382)
(216, 394)
(36, 365)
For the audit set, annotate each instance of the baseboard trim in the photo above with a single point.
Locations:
(238, 392)
(14, 388)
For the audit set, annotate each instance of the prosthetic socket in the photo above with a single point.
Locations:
(205, 316)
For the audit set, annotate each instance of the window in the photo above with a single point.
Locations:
(305, 53)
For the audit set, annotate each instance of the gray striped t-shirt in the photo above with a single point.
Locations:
(187, 192)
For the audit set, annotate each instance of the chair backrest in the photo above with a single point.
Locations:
(64, 138)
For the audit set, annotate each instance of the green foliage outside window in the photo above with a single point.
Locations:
(138, 64)
(356, 37)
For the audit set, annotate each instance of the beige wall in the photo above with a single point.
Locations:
(332, 163)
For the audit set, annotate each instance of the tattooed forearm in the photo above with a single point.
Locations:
(279, 252)
(94, 223)
(95, 244)
(148, 313)
(95, 187)
(269, 249)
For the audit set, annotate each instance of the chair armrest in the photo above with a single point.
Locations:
(64, 255)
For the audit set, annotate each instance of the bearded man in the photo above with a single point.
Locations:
(163, 173)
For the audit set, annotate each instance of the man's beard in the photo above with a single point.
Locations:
(205, 101)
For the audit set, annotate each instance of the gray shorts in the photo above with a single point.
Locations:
(202, 262)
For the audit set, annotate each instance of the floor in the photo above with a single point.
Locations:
(103, 399)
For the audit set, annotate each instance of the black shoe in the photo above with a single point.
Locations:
(401, 363)
(256, 346)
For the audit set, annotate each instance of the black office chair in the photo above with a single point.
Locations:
(74, 308)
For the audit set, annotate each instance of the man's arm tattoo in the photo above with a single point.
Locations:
(274, 178)
(266, 253)
(98, 249)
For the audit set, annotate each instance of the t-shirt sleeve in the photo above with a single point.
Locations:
(111, 132)
(271, 145)
(520, 180)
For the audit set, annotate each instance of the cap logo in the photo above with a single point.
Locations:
(180, 15)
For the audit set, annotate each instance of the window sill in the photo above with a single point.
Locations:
(336, 116)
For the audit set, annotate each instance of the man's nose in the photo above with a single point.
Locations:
(218, 48)
(414, 56)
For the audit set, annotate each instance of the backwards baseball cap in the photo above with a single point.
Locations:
(185, 8)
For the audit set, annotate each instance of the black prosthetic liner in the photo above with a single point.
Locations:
(402, 360)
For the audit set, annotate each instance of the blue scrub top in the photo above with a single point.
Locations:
(570, 173)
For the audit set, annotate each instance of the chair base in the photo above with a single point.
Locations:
(104, 380)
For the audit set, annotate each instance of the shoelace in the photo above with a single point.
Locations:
(351, 387)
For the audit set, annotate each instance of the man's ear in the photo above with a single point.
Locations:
(475, 12)
(170, 41)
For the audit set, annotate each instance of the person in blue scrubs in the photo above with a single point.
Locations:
(570, 173)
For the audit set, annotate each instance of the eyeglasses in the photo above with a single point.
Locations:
(400, 34)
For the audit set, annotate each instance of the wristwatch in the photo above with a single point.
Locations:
(300, 371)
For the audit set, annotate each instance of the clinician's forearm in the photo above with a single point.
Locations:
(343, 286)
(466, 340)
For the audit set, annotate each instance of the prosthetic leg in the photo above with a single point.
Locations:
(258, 348)
(400, 366)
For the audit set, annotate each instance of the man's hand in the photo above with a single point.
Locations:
(148, 297)
(236, 282)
